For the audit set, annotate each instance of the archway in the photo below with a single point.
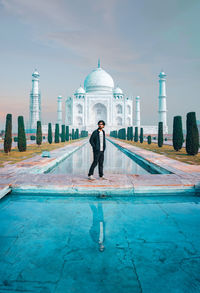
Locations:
(79, 109)
(99, 113)
(119, 121)
(119, 109)
(79, 120)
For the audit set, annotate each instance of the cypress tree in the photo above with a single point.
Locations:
(131, 133)
(73, 133)
(39, 133)
(124, 133)
(149, 139)
(141, 135)
(118, 133)
(77, 133)
(8, 134)
(192, 134)
(57, 138)
(128, 133)
(21, 144)
(136, 134)
(160, 134)
(63, 133)
(177, 133)
(49, 133)
(67, 133)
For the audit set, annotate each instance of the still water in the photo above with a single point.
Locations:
(115, 162)
(54, 244)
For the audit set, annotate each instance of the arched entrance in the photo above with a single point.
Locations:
(99, 113)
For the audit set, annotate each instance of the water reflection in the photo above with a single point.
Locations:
(115, 162)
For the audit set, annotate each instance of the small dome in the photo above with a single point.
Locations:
(162, 74)
(80, 90)
(99, 80)
(117, 90)
(35, 73)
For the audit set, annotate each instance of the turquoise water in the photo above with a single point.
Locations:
(115, 162)
(51, 244)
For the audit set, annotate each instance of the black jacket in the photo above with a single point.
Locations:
(95, 140)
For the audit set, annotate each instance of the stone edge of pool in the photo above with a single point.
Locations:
(181, 178)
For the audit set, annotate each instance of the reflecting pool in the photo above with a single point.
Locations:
(62, 244)
(115, 161)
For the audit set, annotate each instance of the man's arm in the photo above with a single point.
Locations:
(91, 140)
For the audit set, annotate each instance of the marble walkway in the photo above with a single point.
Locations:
(29, 176)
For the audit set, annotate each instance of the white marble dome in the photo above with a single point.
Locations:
(118, 91)
(80, 90)
(99, 80)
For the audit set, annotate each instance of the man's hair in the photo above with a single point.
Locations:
(101, 121)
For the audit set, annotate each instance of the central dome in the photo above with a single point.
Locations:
(99, 80)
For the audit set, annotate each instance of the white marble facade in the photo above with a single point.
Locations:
(99, 100)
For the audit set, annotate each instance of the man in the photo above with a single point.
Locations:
(98, 143)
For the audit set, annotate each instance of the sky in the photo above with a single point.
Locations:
(135, 40)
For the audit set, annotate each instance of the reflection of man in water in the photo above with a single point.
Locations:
(98, 143)
(98, 220)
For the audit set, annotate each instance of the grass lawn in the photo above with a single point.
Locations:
(32, 150)
(168, 151)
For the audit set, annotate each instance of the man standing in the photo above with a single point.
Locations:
(98, 143)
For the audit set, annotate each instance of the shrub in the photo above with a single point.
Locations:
(15, 139)
(131, 133)
(121, 133)
(21, 144)
(192, 134)
(39, 133)
(177, 137)
(67, 133)
(63, 133)
(149, 139)
(77, 133)
(57, 137)
(50, 139)
(136, 134)
(141, 135)
(160, 134)
(8, 134)
(32, 137)
(128, 133)
(73, 133)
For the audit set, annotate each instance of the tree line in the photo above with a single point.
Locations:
(192, 134)
(21, 139)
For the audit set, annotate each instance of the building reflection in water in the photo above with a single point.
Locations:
(115, 162)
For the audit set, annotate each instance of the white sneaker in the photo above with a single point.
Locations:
(91, 177)
(103, 177)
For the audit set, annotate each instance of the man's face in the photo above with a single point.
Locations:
(101, 126)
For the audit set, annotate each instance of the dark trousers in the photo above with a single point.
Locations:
(98, 158)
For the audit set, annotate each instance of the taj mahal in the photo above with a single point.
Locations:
(99, 99)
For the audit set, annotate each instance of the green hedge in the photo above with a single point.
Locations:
(192, 134)
(8, 134)
(21, 144)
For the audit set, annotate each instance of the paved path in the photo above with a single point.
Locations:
(29, 176)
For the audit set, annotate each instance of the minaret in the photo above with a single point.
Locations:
(59, 111)
(162, 110)
(137, 111)
(35, 101)
(99, 64)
